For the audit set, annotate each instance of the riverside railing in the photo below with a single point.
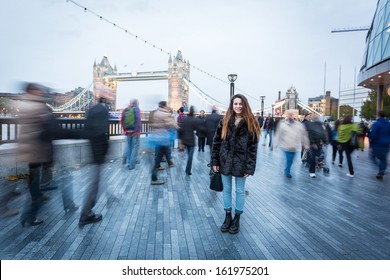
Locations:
(9, 127)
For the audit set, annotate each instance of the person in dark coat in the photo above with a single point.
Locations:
(380, 143)
(187, 130)
(234, 154)
(365, 131)
(260, 119)
(317, 138)
(96, 128)
(212, 122)
(180, 119)
(268, 129)
(202, 134)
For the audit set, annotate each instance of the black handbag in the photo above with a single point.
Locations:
(215, 181)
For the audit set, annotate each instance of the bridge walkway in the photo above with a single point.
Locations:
(331, 217)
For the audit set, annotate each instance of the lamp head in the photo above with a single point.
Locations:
(232, 77)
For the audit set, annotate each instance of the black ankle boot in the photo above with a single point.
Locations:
(227, 223)
(235, 226)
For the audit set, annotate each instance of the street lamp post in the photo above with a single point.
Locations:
(262, 105)
(232, 78)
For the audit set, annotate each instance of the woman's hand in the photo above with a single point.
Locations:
(216, 168)
(246, 175)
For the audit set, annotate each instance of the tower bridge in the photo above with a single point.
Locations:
(106, 78)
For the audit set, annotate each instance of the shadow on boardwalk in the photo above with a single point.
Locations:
(329, 217)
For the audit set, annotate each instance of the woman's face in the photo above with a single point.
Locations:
(237, 105)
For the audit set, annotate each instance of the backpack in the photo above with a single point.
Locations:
(129, 118)
(354, 141)
(316, 132)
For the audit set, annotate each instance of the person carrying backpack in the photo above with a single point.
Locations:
(131, 125)
(344, 136)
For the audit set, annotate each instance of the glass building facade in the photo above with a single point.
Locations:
(378, 37)
(375, 71)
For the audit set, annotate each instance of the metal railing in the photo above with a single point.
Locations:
(9, 127)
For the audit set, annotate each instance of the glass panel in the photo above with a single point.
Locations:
(364, 60)
(387, 15)
(377, 49)
(370, 56)
(386, 44)
(382, 3)
(378, 24)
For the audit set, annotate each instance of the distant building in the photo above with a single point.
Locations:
(325, 105)
(178, 91)
(102, 84)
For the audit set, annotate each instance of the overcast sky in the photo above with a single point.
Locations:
(271, 45)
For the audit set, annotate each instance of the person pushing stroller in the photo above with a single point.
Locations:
(317, 138)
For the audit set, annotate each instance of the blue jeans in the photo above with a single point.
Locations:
(267, 132)
(380, 153)
(289, 161)
(190, 151)
(227, 193)
(132, 150)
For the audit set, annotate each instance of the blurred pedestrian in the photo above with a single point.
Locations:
(201, 133)
(344, 136)
(317, 138)
(290, 136)
(380, 142)
(132, 125)
(364, 133)
(180, 119)
(268, 127)
(336, 148)
(187, 129)
(234, 154)
(162, 123)
(96, 129)
(34, 146)
(212, 122)
(260, 119)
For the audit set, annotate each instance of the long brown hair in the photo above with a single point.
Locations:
(247, 115)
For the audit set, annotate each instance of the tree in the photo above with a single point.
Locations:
(369, 106)
(346, 110)
(4, 105)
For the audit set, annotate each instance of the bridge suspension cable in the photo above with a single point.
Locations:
(307, 108)
(205, 97)
(80, 101)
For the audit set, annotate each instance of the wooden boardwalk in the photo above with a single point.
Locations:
(330, 217)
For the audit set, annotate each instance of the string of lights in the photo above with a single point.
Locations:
(153, 45)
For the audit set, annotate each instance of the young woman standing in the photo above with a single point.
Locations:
(234, 154)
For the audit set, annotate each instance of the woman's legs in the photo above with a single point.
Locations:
(240, 194)
(227, 192)
(348, 152)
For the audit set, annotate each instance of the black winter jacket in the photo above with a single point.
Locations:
(236, 155)
(187, 128)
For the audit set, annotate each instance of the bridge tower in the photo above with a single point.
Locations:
(178, 91)
(102, 83)
(291, 98)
